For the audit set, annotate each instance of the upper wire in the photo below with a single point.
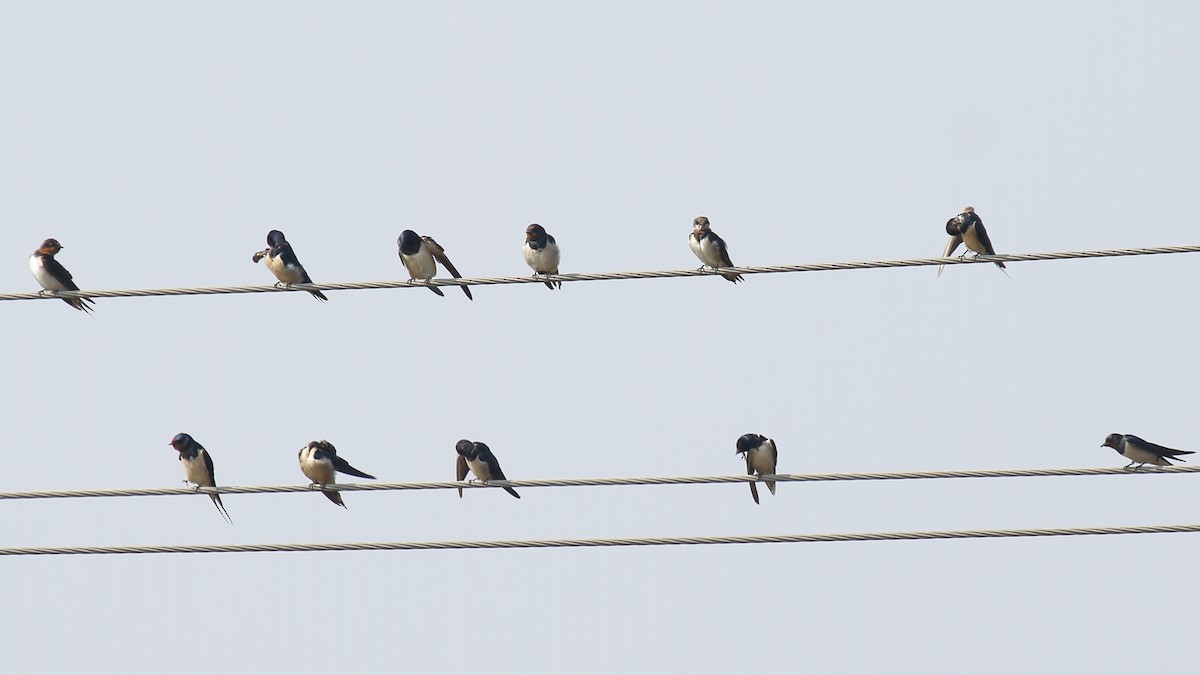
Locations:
(599, 482)
(609, 276)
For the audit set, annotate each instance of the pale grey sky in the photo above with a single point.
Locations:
(159, 142)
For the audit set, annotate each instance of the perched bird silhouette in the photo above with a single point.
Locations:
(52, 276)
(282, 262)
(1141, 452)
(709, 248)
(541, 253)
(479, 459)
(319, 461)
(761, 458)
(198, 468)
(967, 228)
(421, 256)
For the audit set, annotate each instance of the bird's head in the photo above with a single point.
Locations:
(747, 443)
(324, 447)
(465, 448)
(50, 247)
(1113, 441)
(408, 241)
(700, 224)
(275, 238)
(534, 232)
(181, 442)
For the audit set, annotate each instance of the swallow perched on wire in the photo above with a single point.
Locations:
(198, 468)
(1141, 452)
(967, 228)
(421, 255)
(761, 458)
(282, 262)
(541, 253)
(479, 459)
(319, 461)
(52, 276)
(710, 248)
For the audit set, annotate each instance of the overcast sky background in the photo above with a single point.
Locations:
(159, 142)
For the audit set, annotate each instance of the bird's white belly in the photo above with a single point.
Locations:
(760, 459)
(543, 260)
(44, 278)
(195, 471)
(706, 252)
(1143, 457)
(420, 265)
(282, 272)
(318, 471)
(480, 469)
(971, 239)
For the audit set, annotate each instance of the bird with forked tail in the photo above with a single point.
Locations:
(478, 458)
(1141, 452)
(421, 256)
(198, 468)
(541, 253)
(710, 249)
(761, 458)
(53, 277)
(284, 264)
(967, 228)
(320, 463)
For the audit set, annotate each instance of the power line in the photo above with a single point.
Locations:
(610, 276)
(599, 543)
(599, 482)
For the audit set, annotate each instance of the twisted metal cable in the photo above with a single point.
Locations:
(599, 543)
(610, 276)
(599, 482)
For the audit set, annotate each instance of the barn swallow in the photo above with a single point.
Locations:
(53, 276)
(761, 457)
(1141, 452)
(421, 255)
(710, 248)
(967, 228)
(282, 262)
(319, 460)
(198, 468)
(479, 459)
(541, 253)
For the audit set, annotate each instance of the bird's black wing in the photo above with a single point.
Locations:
(439, 254)
(290, 260)
(59, 272)
(722, 248)
(460, 471)
(208, 466)
(724, 251)
(485, 454)
(1161, 451)
(981, 232)
(343, 466)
